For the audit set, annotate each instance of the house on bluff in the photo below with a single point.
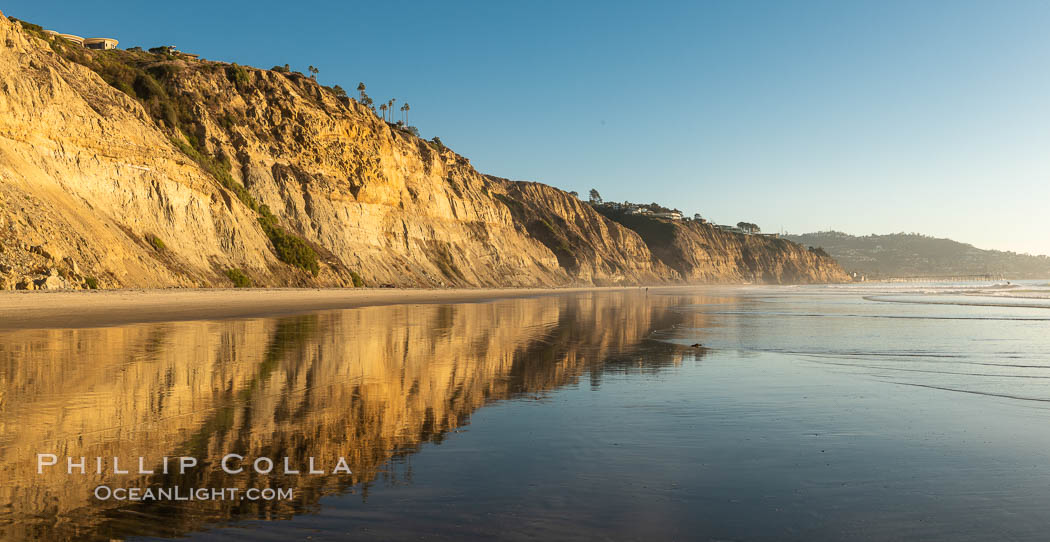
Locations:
(88, 43)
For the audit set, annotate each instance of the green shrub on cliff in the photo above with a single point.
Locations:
(238, 76)
(165, 71)
(219, 170)
(288, 248)
(227, 121)
(146, 88)
(156, 243)
(239, 279)
(357, 280)
(34, 29)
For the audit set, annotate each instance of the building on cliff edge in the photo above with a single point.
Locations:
(89, 43)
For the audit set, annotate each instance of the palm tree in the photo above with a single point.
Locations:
(382, 108)
(365, 100)
(391, 108)
(406, 108)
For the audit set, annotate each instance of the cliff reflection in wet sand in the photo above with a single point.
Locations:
(366, 384)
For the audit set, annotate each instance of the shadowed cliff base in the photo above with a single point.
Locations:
(151, 169)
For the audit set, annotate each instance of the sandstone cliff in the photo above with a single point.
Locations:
(700, 252)
(133, 169)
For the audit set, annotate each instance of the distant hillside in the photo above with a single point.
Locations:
(910, 254)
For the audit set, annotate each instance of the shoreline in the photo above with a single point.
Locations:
(100, 308)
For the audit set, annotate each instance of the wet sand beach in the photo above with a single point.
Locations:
(22, 310)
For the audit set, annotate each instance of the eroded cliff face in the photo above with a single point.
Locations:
(701, 253)
(399, 209)
(193, 169)
(85, 176)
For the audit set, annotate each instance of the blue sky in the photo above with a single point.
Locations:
(866, 117)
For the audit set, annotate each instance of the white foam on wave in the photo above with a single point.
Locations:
(996, 292)
(965, 300)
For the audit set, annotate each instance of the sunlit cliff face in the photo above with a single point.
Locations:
(367, 385)
(94, 187)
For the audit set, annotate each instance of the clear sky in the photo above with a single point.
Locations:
(865, 117)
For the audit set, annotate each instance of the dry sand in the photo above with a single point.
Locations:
(20, 310)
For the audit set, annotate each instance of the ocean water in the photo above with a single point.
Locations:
(862, 412)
